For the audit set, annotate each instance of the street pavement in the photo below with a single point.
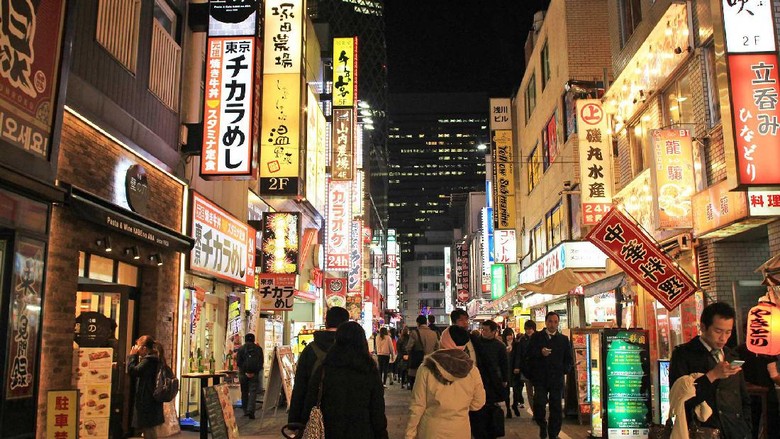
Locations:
(397, 411)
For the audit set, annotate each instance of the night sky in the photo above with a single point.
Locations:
(457, 45)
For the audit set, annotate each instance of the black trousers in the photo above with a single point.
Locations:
(384, 367)
(249, 387)
(552, 394)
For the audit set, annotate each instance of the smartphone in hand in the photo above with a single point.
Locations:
(737, 363)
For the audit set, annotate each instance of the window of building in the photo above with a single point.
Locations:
(713, 100)
(538, 246)
(530, 97)
(534, 168)
(165, 64)
(630, 17)
(430, 286)
(678, 105)
(545, 64)
(117, 30)
(639, 144)
(554, 221)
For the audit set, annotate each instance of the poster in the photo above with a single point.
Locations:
(92, 375)
(336, 291)
(354, 306)
(626, 377)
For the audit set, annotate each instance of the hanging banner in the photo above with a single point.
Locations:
(393, 270)
(355, 258)
(345, 71)
(640, 257)
(315, 152)
(595, 161)
(336, 291)
(448, 280)
(281, 244)
(277, 291)
(283, 26)
(342, 157)
(673, 178)
(504, 180)
(506, 246)
(462, 271)
(338, 220)
(626, 379)
(280, 131)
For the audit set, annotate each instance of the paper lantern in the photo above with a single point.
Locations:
(763, 329)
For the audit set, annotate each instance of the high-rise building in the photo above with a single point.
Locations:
(434, 144)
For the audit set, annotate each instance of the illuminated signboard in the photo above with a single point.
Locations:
(280, 135)
(345, 71)
(573, 254)
(595, 161)
(447, 280)
(338, 220)
(276, 291)
(500, 114)
(281, 242)
(462, 272)
(749, 26)
(487, 240)
(497, 281)
(283, 36)
(393, 271)
(673, 177)
(355, 277)
(506, 246)
(504, 181)
(315, 153)
(342, 150)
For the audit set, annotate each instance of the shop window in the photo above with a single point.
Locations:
(554, 220)
(678, 105)
(600, 308)
(545, 63)
(638, 138)
(530, 97)
(713, 101)
(630, 17)
(127, 274)
(534, 168)
(101, 268)
(537, 242)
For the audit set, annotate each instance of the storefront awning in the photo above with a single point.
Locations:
(603, 285)
(771, 270)
(563, 281)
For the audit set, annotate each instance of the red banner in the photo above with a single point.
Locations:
(336, 291)
(620, 238)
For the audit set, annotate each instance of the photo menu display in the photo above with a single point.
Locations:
(626, 378)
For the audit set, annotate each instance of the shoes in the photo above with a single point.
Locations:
(509, 414)
(517, 412)
(384, 386)
(543, 431)
(522, 406)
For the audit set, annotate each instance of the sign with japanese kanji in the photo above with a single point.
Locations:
(355, 278)
(228, 108)
(342, 155)
(500, 114)
(283, 27)
(506, 246)
(62, 420)
(281, 242)
(716, 209)
(749, 26)
(764, 203)
(504, 178)
(224, 246)
(345, 71)
(276, 291)
(619, 237)
(462, 270)
(673, 177)
(280, 135)
(338, 219)
(595, 161)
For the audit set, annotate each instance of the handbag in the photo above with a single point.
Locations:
(315, 426)
(416, 355)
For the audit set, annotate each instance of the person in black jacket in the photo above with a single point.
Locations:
(493, 368)
(249, 359)
(520, 365)
(142, 365)
(311, 357)
(353, 400)
(549, 359)
(722, 386)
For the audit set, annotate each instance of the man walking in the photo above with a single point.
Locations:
(433, 326)
(250, 367)
(311, 358)
(520, 365)
(722, 386)
(549, 359)
(422, 341)
(493, 368)
(459, 317)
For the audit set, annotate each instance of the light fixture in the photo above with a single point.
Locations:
(133, 251)
(156, 259)
(481, 147)
(104, 243)
(363, 104)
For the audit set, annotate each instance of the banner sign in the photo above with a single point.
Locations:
(504, 180)
(673, 178)
(497, 281)
(281, 242)
(31, 45)
(277, 291)
(338, 220)
(764, 203)
(448, 280)
(315, 153)
(280, 135)
(342, 162)
(62, 420)
(626, 393)
(462, 271)
(595, 161)
(487, 240)
(506, 246)
(641, 258)
(570, 254)
(355, 258)
(345, 71)
(715, 209)
(224, 246)
(336, 291)
(393, 271)
(284, 37)
(500, 114)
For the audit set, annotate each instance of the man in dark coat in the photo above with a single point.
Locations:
(722, 386)
(311, 358)
(249, 359)
(433, 326)
(520, 364)
(493, 368)
(549, 359)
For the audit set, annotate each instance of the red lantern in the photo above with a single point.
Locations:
(763, 329)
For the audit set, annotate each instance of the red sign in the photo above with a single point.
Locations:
(754, 96)
(336, 291)
(462, 271)
(639, 256)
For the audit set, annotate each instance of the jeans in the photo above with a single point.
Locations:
(553, 395)
(249, 388)
(384, 367)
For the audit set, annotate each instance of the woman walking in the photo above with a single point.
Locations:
(142, 364)
(508, 336)
(384, 350)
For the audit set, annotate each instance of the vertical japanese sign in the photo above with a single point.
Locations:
(224, 246)
(62, 414)
(283, 35)
(640, 257)
(504, 180)
(338, 220)
(342, 150)
(626, 377)
(500, 114)
(673, 178)
(506, 246)
(277, 291)
(462, 271)
(393, 272)
(487, 240)
(595, 161)
(315, 153)
(448, 280)
(355, 258)
(25, 317)
(30, 43)
(345, 71)
(281, 242)
(497, 281)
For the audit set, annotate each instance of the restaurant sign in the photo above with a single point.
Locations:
(280, 249)
(595, 161)
(462, 270)
(277, 291)
(506, 246)
(338, 220)
(345, 71)
(573, 254)
(673, 178)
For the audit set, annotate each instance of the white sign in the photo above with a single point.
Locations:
(748, 25)
(447, 280)
(500, 114)
(595, 161)
(283, 36)
(506, 246)
(339, 220)
(315, 153)
(764, 203)
(575, 254)
(392, 272)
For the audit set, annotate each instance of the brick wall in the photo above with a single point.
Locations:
(774, 238)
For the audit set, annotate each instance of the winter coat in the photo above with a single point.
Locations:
(147, 412)
(448, 385)
(429, 342)
(384, 346)
(548, 371)
(303, 373)
(728, 397)
(492, 364)
(353, 399)
(401, 346)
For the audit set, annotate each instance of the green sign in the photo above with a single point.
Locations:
(497, 281)
(626, 377)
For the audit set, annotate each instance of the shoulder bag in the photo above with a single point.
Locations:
(315, 427)
(695, 431)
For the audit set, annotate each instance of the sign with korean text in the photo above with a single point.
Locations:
(336, 291)
(345, 71)
(62, 414)
(355, 258)
(24, 318)
(639, 256)
(277, 291)
(500, 114)
(342, 159)
(716, 208)
(749, 26)
(497, 281)
(506, 215)
(30, 43)
(281, 242)
(764, 203)
(283, 37)
(673, 177)
(224, 246)
(595, 161)
(339, 222)
(506, 246)
(280, 135)
(462, 271)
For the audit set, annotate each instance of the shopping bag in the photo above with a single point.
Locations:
(170, 427)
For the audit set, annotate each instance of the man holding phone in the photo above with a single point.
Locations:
(722, 386)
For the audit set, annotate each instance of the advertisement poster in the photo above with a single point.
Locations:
(663, 389)
(92, 377)
(281, 242)
(336, 291)
(673, 178)
(626, 377)
(354, 306)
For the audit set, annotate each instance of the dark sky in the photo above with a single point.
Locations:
(456, 45)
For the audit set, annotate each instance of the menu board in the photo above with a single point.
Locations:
(92, 377)
(581, 345)
(626, 378)
(222, 419)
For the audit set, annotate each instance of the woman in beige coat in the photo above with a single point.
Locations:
(448, 385)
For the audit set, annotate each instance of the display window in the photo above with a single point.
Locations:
(600, 309)
(562, 309)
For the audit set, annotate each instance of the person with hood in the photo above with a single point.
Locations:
(142, 364)
(353, 399)
(448, 385)
(311, 357)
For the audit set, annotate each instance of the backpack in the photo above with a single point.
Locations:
(320, 356)
(253, 360)
(166, 385)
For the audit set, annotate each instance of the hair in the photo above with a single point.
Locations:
(456, 314)
(393, 332)
(722, 309)
(405, 331)
(383, 332)
(249, 338)
(146, 341)
(431, 318)
(421, 320)
(550, 314)
(493, 325)
(351, 342)
(459, 335)
(158, 348)
(506, 333)
(335, 316)
(475, 333)
(529, 324)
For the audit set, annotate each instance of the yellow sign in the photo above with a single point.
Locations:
(61, 414)
(504, 168)
(344, 71)
(673, 178)
(280, 135)
(305, 337)
(520, 311)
